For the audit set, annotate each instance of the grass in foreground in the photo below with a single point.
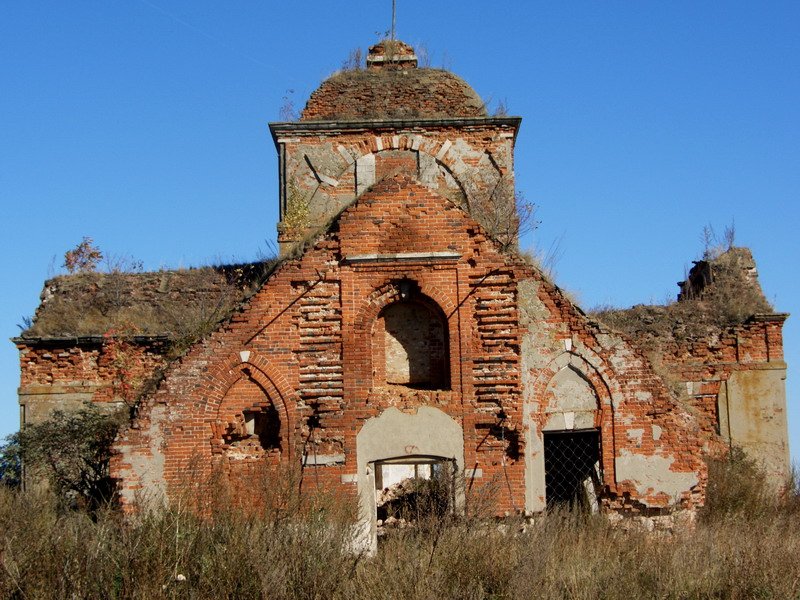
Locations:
(738, 549)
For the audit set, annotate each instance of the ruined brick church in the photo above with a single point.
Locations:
(401, 335)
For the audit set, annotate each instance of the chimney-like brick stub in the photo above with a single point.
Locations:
(391, 54)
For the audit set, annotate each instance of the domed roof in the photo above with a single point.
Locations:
(392, 87)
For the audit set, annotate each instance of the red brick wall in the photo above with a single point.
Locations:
(309, 335)
(102, 371)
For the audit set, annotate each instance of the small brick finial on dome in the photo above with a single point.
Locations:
(391, 54)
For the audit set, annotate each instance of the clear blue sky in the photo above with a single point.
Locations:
(143, 123)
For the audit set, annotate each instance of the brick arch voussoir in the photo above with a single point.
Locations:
(600, 377)
(383, 295)
(426, 146)
(387, 293)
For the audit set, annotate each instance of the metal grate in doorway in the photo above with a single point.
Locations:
(572, 469)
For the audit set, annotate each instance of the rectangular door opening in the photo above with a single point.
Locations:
(572, 472)
(408, 489)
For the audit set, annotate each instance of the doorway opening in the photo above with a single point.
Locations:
(411, 489)
(572, 472)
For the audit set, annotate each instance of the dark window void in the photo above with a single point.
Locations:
(265, 425)
(415, 346)
(572, 469)
(259, 428)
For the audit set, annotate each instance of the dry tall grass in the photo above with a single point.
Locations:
(737, 550)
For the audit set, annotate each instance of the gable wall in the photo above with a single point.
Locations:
(307, 339)
(309, 332)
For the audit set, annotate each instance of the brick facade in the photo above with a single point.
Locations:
(398, 327)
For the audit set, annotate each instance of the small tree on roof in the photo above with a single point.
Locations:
(83, 258)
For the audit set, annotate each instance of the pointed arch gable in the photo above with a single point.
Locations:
(570, 390)
(266, 376)
(586, 365)
(578, 363)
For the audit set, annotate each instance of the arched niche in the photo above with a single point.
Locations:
(571, 401)
(248, 423)
(410, 345)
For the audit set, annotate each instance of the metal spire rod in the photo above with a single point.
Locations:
(394, 14)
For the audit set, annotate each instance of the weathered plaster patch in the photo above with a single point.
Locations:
(150, 468)
(635, 435)
(652, 475)
(394, 434)
(620, 360)
(572, 392)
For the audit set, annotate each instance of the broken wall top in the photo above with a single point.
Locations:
(172, 303)
(719, 293)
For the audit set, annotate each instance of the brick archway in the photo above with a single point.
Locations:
(389, 293)
(592, 370)
(267, 377)
(429, 432)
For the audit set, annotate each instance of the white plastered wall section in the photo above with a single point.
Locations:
(394, 434)
(752, 415)
(650, 474)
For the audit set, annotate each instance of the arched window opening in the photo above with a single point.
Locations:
(415, 349)
(248, 422)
